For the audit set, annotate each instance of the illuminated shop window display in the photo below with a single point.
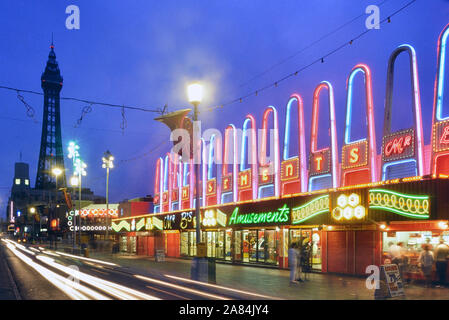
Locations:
(412, 245)
(303, 236)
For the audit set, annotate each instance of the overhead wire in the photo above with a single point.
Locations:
(320, 59)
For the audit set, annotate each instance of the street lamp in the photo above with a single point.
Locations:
(107, 164)
(57, 172)
(195, 96)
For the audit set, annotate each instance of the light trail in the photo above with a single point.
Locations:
(87, 259)
(111, 288)
(55, 279)
(220, 287)
(201, 293)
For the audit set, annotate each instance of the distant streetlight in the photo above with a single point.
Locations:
(195, 96)
(32, 210)
(108, 163)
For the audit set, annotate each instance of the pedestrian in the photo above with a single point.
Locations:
(395, 254)
(305, 258)
(426, 261)
(299, 262)
(403, 261)
(441, 257)
(292, 262)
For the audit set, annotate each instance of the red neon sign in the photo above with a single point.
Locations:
(245, 179)
(399, 145)
(211, 187)
(320, 162)
(355, 155)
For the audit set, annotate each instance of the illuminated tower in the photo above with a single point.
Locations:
(51, 152)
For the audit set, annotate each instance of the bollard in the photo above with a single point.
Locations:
(86, 252)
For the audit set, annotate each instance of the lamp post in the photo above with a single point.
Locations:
(107, 164)
(79, 170)
(195, 96)
(74, 183)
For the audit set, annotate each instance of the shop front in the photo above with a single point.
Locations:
(344, 230)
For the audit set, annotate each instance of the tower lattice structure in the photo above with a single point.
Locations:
(51, 152)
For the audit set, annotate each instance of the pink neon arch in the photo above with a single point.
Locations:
(416, 104)
(314, 135)
(301, 139)
(235, 161)
(437, 117)
(158, 182)
(253, 156)
(369, 115)
(263, 151)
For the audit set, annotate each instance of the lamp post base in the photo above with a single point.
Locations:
(203, 269)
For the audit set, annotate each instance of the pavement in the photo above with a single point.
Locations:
(272, 282)
(8, 289)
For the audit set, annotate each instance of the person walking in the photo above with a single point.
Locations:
(441, 257)
(426, 261)
(292, 262)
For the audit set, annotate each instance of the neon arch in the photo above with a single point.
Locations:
(230, 188)
(264, 164)
(248, 179)
(176, 182)
(323, 163)
(294, 168)
(359, 166)
(393, 148)
(212, 187)
(440, 124)
(158, 186)
(167, 183)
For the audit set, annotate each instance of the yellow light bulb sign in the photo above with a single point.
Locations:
(348, 208)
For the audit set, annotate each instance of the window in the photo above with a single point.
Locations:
(17, 181)
(27, 182)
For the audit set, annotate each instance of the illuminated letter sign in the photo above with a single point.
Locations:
(355, 155)
(290, 169)
(211, 187)
(174, 195)
(441, 136)
(310, 209)
(165, 197)
(265, 177)
(320, 162)
(227, 183)
(185, 193)
(245, 179)
(281, 215)
(399, 145)
(412, 206)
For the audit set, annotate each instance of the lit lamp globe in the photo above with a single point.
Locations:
(74, 181)
(56, 171)
(195, 93)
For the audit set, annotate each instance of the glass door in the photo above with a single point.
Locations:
(220, 244)
(270, 247)
(254, 245)
(238, 248)
(192, 243)
(228, 239)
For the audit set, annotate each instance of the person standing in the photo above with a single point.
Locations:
(292, 262)
(426, 261)
(441, 257)
(299, 260)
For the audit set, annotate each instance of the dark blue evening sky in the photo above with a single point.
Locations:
(144, 53)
